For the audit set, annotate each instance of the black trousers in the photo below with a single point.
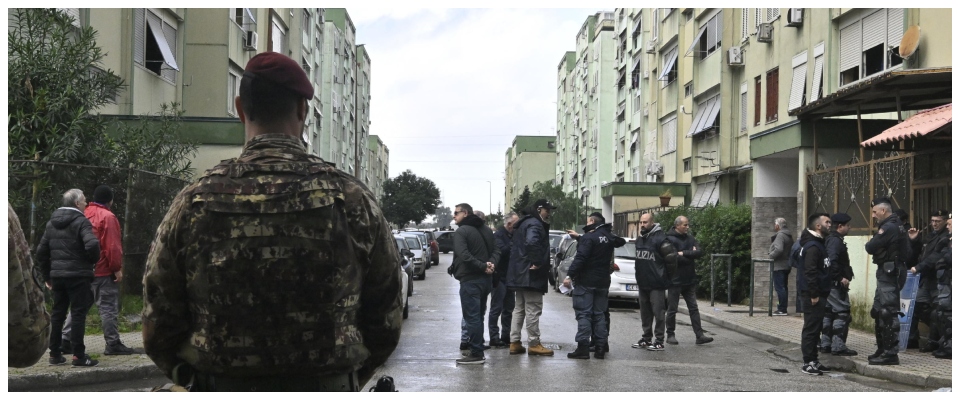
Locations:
(812, 323)
(75, 295)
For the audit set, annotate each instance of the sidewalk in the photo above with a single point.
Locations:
(918, 369)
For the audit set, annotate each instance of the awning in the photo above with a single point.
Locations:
(168, 57)
(932, 120)
(636, 27)
(636, 64)
(636, 135)
(696, 39)
(670, 60)
(706, 117)
(621, 78)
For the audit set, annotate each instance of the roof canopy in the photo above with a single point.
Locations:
(925, 122)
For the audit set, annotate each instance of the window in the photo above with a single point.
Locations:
(744, 15)
(669, 72)
(155, 44)
(743, 107)
(278, 36)
(635, 72)
(708, 37)
(233, 90)
(637, 103)
(868, 43)
(656, 24)
(772, 14)
(551, 144)
(688, 89)
(757, 19)
(817, 87)
(799, 83)
(75, 13)
(706, 116)
(756, 101)
(305, 23)
(669, 129)
(686, 164)
(773, 84)
(244, 17)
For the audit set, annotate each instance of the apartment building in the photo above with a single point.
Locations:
(378, 165)
(196, 56)
(530, 159)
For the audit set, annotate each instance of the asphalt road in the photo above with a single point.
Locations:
(424, 361)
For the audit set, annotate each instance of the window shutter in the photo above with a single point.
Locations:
(799, 82)
(140, 31)
(743, 107)
(816, 88)
(170, 33)
(756, 100)
(744, 16)
(772, 14)
(850, 46)
(894, 26)
(757, 19)
(773, 86)
(873, 29)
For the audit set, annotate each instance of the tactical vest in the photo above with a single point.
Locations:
(272, 277)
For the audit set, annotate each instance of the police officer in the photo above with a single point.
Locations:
(944, 305)
(590, 272)
(928, 248)
(274, 271)
(890, 248)
(836, 319)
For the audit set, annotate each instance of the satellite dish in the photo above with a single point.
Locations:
(910, 41)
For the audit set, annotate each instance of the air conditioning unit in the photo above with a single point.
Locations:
(765, 33)
(654, 168)
(646, 74)
(250, 41)
(652, 46)
(646, 111)
(735, 56)
(794, 16)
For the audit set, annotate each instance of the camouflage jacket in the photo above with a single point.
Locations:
(27, 320)
(273, 263)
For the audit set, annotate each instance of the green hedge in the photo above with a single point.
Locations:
(722, 229)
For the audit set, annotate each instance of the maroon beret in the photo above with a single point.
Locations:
(280, 70)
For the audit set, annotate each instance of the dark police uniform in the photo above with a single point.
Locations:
(944, 303)
(836, 319)
(929, 250)
(890, 249)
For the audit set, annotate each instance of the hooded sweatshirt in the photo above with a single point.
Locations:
(68, 248)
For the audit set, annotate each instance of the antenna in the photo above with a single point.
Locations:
(910, 41)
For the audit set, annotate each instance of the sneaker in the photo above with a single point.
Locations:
(672, 339)
(704, 339)
(641, 344)
(118, 350)
(845, 352)
(821, 367)
(471, 359)
(58, 360)
(810, 369)
(779, 313)
(86, 361)
(655, 347)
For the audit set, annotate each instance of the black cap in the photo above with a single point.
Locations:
(940, 213)
(543, 203)
(879, 200)
(103, 194)
(840, 218)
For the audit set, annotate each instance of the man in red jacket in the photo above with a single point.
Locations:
(108, 273)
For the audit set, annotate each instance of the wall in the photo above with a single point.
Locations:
(208, 156)
(765, 211)
(776, 177)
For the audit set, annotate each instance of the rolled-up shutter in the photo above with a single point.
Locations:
(874, 32)
(139, 37)
(799, 82)
(894, 26)
(817, 78)
(850, 46)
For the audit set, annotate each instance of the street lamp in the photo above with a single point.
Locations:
(586, 200)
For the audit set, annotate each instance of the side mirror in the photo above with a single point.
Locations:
(407, 253)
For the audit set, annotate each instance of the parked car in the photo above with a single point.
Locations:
(555, 238)
(623, 279)
(434, 246)
(416, 246)
(427, 249)
(406, 261)
(405, 290)
(444, 241)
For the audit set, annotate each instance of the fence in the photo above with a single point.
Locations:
(917, 182)
(141, 199)
(627, 223)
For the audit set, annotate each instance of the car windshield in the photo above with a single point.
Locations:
(400, 243)
(413, 243)
(555, 240)
(628, 250)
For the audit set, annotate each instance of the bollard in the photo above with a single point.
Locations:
(752, 272)
(752, 264)
(729, 280)
(770, 296)
(713, 258)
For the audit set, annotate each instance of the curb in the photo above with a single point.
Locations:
(858, 366)
(73, 377)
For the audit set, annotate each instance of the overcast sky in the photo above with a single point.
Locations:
(451, 88)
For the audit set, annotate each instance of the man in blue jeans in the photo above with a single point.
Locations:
(590, 271)
(780, 253)
(474, 258)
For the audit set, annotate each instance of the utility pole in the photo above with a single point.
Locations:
(490, 203)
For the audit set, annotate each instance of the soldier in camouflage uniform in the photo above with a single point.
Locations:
(275, 271)
(27, 319)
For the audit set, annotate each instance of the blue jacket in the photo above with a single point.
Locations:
(530, 246)
(591, 265)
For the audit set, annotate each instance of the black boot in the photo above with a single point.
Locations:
(582, 352)
(601, 351)
(885, 359)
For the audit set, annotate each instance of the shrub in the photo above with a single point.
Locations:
(721, 229)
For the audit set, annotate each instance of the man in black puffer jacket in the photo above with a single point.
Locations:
(590, 271)
(813, 283)
(474, 256)
(684, 282)
(67, 254)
